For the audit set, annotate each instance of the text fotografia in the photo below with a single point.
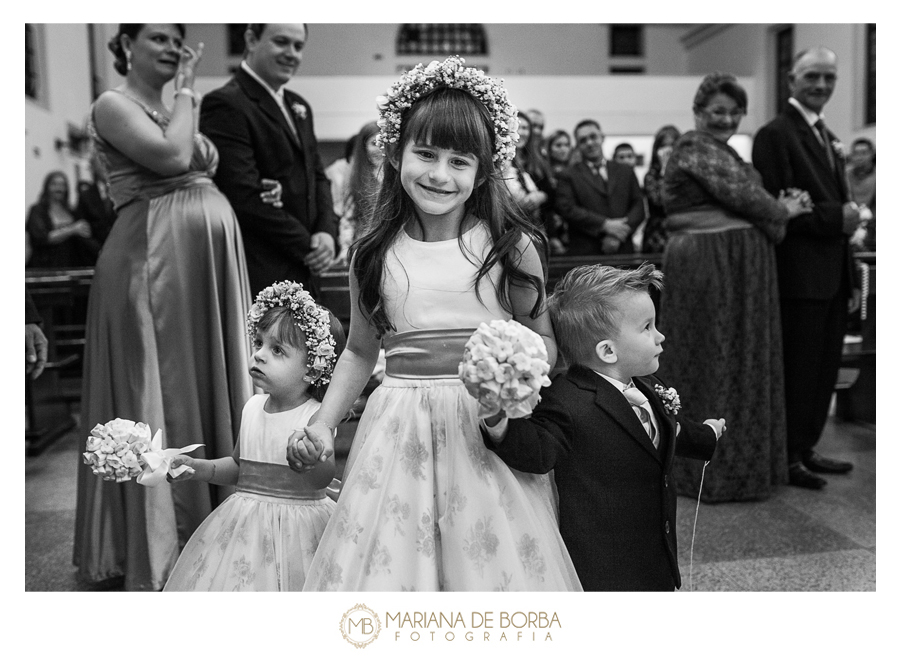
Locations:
(478, 626)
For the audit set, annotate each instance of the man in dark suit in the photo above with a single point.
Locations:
(609, 433)
(600, 200)
(815, 268)
(264, 131)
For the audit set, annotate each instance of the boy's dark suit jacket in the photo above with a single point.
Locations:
(255, 142)
(584, 200)
(616, 498)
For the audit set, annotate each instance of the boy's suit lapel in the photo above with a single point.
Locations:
(611, 401)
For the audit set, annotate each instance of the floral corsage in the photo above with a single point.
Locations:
(299, 109)
(670, 399)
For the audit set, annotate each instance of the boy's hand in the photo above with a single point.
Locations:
(717, 424)
(490, 421)
(180, 460)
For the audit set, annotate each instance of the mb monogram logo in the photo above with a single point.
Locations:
(360, 626)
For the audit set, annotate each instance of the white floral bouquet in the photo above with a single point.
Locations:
(504, 366)
(123, 449)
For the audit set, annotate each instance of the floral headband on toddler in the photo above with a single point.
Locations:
(312, 319)
(450, 73)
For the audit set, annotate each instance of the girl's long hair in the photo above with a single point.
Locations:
(44, 198)
(662, 134)
(446, 118)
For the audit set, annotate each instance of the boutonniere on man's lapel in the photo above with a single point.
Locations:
(669, 396)
(838, 147)
(299, 109)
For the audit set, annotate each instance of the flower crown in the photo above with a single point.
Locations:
(312, 319)
(450, 73)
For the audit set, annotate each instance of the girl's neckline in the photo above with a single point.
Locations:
(283, 411)
(475, 224)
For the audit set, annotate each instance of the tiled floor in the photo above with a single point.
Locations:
(799, 540)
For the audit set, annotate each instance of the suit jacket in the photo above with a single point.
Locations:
(815, 253)
(584, 200)
(617, 500)
(255, 142)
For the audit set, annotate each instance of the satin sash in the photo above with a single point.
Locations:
(426, 353)
(274, 480)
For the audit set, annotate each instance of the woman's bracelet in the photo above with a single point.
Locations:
(187, 91)
(322, 422)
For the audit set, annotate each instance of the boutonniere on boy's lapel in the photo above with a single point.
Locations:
(300, 110)
(669, 396)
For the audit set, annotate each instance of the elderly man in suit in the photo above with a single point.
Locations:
(265, 132)
(815, 273)
(599, 200)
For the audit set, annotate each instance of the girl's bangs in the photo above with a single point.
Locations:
(451, 120)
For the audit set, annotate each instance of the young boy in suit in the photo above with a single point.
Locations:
(611, 460)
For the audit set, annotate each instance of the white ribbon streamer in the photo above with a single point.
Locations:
(158, 462)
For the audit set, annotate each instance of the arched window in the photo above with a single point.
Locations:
(442, 39)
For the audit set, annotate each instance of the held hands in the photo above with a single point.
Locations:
(309, 446)
(617, 228)
(271, 193)
(796, 201)
(321, 252)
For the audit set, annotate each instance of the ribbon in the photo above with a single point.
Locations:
(158, 462)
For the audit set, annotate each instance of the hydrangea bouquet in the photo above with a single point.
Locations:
(504, 367)
(123, 449)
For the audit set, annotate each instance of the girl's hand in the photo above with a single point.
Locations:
(271, 193)
(178, 460)
(187, 66)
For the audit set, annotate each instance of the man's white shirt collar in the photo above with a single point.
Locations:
(615, 382)
(278, 94)
(810, 116)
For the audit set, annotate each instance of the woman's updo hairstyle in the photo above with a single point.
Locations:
(131, 30)
(720, 83)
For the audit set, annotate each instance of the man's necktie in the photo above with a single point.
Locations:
(638, 400)
(820, 127)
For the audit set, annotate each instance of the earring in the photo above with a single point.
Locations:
(127, 60)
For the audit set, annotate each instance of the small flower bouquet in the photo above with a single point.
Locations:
(122, 449)
(504, 367)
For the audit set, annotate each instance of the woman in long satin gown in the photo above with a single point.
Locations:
(166, 342)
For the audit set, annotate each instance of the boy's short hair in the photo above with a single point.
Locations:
(623, 147)
(583, 305)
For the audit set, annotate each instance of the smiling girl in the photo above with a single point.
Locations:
(425, 506)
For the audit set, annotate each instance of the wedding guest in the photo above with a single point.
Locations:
(94, 204)
(536, 117)
(817, 282)
(265, 131)
(558, 148)
(600, 200)
(721, 299)
(519, 181)
(337, 173)
(624, 153)
(166, 342)
(861, 180)
(358, 192)
(654, 240)
(609, 431)
(58, 236)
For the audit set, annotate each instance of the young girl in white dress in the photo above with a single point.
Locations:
(425, 506)
(263, 537)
